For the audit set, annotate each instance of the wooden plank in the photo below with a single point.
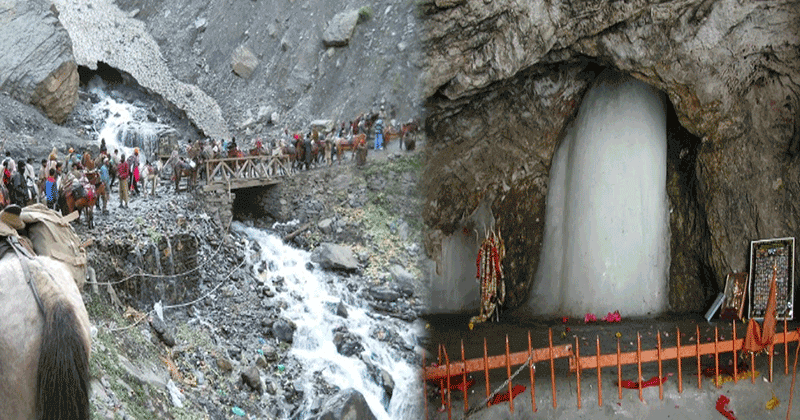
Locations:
(240, 183)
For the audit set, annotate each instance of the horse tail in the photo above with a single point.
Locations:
(63, 374)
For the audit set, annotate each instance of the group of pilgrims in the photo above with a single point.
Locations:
(77, 174)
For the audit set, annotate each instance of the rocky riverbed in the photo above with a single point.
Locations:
(194, 321)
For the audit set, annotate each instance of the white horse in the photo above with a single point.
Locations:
(44, 350)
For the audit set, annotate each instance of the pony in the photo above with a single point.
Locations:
(85, 201)
(46, 340)
(100, 190)
(288, 157)
(87, 162)
(343, 145)
(5, 199)
(234, 152)
(184, 169)
(408, 134)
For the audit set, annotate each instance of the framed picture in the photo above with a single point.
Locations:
(735, 294)
(764, 255)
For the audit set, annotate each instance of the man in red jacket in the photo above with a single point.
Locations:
(123, 172)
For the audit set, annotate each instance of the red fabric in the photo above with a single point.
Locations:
(721, 403)
(123, 171)
(516, 390)
(460, 385)
(654, 381)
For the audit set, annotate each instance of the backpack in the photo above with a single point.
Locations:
(52, 235)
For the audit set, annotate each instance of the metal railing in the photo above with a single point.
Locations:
(446, 370)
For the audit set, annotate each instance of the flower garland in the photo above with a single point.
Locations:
(490, 275)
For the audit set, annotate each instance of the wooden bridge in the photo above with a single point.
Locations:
(244, 172)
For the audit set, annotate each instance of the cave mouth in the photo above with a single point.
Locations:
(623, 163)
(110, 75)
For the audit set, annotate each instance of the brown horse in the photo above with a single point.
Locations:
(86, 202)
(87, 162)
(408, 134)
(45, 353)
(183, 169)
(100, 189)
(390, 133)
(343, 145)
(5, 199)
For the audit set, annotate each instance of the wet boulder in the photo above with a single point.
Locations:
(283, 330)
(334, 257)
(347, 404)
(347, 343)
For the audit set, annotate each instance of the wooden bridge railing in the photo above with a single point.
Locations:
(231, 171)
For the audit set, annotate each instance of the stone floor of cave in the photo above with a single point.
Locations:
(747, 398)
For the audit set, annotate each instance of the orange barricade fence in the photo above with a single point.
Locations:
(452, 374)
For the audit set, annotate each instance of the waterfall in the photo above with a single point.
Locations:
(125, 126)
(312, 296)
(606, 240)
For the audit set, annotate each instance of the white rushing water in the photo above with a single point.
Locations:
(606, 241)
(123, 125)
(311, 295)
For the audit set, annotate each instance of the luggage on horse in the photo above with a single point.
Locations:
(52, 235)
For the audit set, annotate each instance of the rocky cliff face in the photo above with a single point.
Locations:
(504, 78)
(36, 61)
(295, 61)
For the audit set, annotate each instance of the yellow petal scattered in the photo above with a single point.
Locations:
(773, 402)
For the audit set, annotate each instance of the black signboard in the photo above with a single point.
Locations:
(764, 255)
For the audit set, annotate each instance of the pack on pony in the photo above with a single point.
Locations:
(44, 329)
(81, 197)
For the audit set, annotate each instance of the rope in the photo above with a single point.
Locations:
(483, 405)
(180, 305)
(163, 276)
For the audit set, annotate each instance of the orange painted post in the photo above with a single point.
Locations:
(660, 372)
(464, 377)
(678, 356)
(486, 369)
(716, 357)
(441, 381)
(639, 362)
(599, 381)
(771, 358)
(619, 371)
(552, 367)
(785, 348)
(508, 373)
(699, 372)
(424, 385)
(532, 372)
(794, 375)
(578, 369)
(449, 401)
(735, 361)
(752, 368)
